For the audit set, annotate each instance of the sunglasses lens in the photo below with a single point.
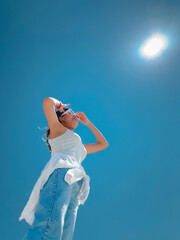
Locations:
(64, 113)
(71, 111)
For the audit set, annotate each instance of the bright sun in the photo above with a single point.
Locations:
(154, 46)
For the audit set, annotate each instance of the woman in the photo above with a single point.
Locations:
(63, 185)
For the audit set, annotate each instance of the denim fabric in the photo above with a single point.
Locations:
(56, 211)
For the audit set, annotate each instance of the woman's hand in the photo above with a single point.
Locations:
(62, 106)
(82, 118)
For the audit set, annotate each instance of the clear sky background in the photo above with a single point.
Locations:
(86, 53)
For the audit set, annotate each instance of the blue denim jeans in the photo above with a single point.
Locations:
(56, 211)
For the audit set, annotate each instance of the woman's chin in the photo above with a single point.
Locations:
(76, 122)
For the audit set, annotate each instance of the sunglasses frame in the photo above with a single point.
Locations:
(71, 111)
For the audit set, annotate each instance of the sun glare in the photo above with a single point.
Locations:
(154, 46)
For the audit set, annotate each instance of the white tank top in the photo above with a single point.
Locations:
(67, 151)
(69, 143)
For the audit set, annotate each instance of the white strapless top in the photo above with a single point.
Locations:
(67, 151)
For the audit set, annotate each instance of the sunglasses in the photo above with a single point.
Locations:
(71, 111)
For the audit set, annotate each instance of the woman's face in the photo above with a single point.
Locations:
(69, 120)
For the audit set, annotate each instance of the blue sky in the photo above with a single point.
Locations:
(86, 53)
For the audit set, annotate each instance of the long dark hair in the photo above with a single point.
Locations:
(58, 113)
